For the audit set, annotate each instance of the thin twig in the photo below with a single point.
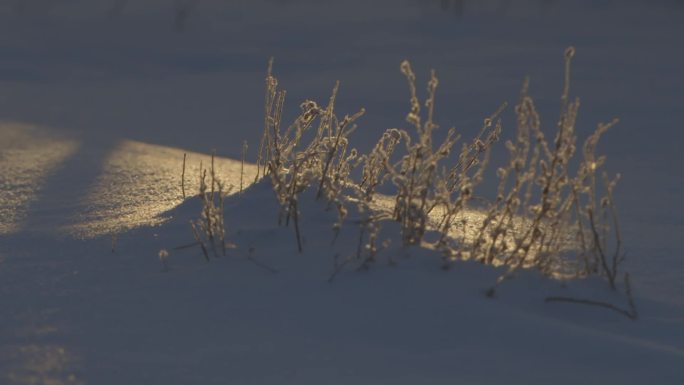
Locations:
(258, 263)
(629, 314)
(630, 297)
(295, 216)
(186, 246)
(183, 176)
(262, 265)
(597, 245)
(242, 164)
(338, 267)
(199, 240)
(114, 239)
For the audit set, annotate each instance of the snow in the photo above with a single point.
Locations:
(119, 317)
(91, 150)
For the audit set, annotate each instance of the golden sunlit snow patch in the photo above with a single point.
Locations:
(141, 181)
(28, 154)
(33, 364)
(25, 360)
(467, 228)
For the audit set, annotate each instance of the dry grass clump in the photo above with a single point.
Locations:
(209, 231)
(325, 161)
(421, 178)
(549, 213)
(544, 216)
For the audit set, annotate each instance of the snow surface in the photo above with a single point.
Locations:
(76, 312)
(100, 99)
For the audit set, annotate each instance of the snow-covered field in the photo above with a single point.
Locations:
(101, 99)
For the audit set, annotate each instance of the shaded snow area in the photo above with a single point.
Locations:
(76, 312)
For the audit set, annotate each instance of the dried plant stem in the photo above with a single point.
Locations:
(630, 296)
(271, 84)
(183, 176)
(631, 314)
(610, 273)
(199, 240)
(221, 221)
(114, 239)
(186, 246)
(295, 216)
(242, 164)
(260, 264)
(213, 174)
(338, 267)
